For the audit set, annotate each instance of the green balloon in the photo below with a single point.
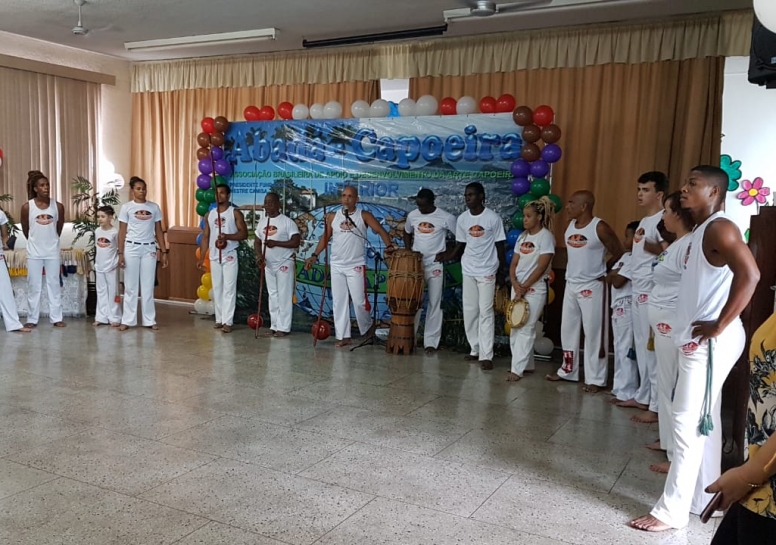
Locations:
(221, 180)
(200, 195)
(523, 201)
(517, 219)
(210, 196)
(202, 208)
(558, 202)
(540, 187)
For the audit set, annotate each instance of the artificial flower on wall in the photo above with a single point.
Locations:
(733, 170)
(753, 192)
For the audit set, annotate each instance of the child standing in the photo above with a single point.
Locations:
(106, 267)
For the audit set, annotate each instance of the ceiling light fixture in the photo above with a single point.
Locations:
(380, 37)
(225, 38)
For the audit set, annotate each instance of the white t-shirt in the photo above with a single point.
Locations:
(228, 227)
(429, 231)
(530, 248)
(586, 253)
(641, 262)
(281, 229)
(348, 240)
(480, 234)
(43, 239)
(3, 221)
(623, 268)
(106, 245)
(667, 274)
(141, 220)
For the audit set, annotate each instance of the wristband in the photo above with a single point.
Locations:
(314, 255)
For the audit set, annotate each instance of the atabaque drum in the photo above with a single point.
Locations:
(405, 295)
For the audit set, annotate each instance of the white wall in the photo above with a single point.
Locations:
(749, 126)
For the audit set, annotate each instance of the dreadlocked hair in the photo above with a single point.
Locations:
(545, 208)
(33, 177)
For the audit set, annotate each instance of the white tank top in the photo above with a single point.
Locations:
(228, 227)
(703, 289)
(348, 245)
(43, 242)
(586, 253)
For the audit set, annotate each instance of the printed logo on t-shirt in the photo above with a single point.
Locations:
(346, 226)
(586, 294)
(664, 329)
(643, 298)
(476, 231)
(426, 227)
(577, 241)
(283, 268)
(639, 236)
(220, 221)
(687, 254)
(103, 242)
(690, 348)
(143, 215)
(44, 219)
(527, 248)
(270, 231)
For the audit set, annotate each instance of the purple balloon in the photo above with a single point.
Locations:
(539, 169)
(551, 153)
(223, 168)
(205, 166)
(521, 168)
(217, 153)
(520, 186)
(203, 182)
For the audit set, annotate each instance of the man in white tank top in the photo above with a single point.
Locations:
(718, 280)
(224, 229)
(347, 231)
(588, 241)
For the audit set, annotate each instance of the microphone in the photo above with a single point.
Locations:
(348, 219)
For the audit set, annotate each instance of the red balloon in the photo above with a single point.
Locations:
(251, 113)
(552, 276)
(255, 321)
(488, 105)
(448, 106)
(505, 103)
(543, 116)
(285, 109)
(209, 125)
(321, 330)
(267, 113)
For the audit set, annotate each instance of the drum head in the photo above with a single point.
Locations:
(517, 313)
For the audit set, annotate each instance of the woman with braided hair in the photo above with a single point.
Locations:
(528, 272)
(42, 222)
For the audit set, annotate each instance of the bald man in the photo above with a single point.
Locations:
(588, 241)
(347, 231)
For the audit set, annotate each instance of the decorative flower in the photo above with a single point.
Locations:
(733, 170)
(753, 191)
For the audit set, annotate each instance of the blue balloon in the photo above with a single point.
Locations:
(202, 223)
(213, 205)
(551, 153)
(205, 166)
(509, 253)
(512, 237)
(394, 111)
(520, 186)
(540, 169)
(199, 239)
(520, 168)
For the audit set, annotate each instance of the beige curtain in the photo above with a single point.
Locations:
(165, 127)
(680, 38)
(50, 124)
(618, 120)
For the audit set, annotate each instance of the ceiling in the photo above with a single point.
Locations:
(113, 22)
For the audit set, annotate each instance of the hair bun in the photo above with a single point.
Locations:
(32, 173)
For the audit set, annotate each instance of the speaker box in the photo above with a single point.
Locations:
(762, 58)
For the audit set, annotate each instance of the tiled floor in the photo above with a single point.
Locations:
(190, 436)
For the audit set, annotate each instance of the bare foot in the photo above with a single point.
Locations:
(226, 329)
(115, 324)
(513, 377)
(553, 377)
(633, 404)
(615, 401)
(97, 324)
(153, 327)
(22, 330)
(429, 350)
(662, 468)
(30, 325)
(655, 446)
(123, 327)
(218, 326)
(60, 324)
(267, 334)
(591, 388)
(473, 358)
(486, 365)
(343, 342)
(280, 334)
(647, 418)
(648, 523)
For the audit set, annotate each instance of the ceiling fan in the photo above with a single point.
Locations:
(79, 29)
(486, 8)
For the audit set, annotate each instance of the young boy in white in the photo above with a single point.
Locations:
(7, 302)
(425, 231)
(106, 268)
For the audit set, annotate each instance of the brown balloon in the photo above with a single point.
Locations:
(551, 134)
(531, 152)
(221, 123)
(203, 139)
(531, 133)
(523, 115)
(203, 153)
(217, 139)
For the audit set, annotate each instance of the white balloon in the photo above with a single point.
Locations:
(766, 13)
(544, 346)
(380, 108)
(426, 105)
(466, 106)
(407, 107)
(200, 306)
(332, 110)
(210, 307)
(316, 111)
(300, 111)
(210, 295)
(539, 327)
(359, 109)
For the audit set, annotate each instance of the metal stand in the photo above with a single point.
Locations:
(373, 339)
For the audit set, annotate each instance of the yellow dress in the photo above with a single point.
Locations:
(761, 416)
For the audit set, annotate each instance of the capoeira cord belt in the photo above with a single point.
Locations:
(706, 425)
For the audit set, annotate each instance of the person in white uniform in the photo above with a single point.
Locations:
(626, 372)
(719, 277)
(647, 244)
(347, 231)
(528, 272)
(42, 222)
(425, 231)
(106, 268)
(224, 229)
(281, 236)
(7, 302)
(479, 233)
(140, 231)
(588, 240)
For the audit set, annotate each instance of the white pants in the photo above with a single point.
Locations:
(224, 276)
(626, 371)
(348, 283)
(139, 276)
(280, 287)
(521, 339)
(108, 310)
(583, 307)
(35, 285)
(697, 459)
(662, 322)
(433, 273)
(478, 319)
(7, 302)
(647, 394)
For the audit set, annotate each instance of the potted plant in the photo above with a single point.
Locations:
(5, 201)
